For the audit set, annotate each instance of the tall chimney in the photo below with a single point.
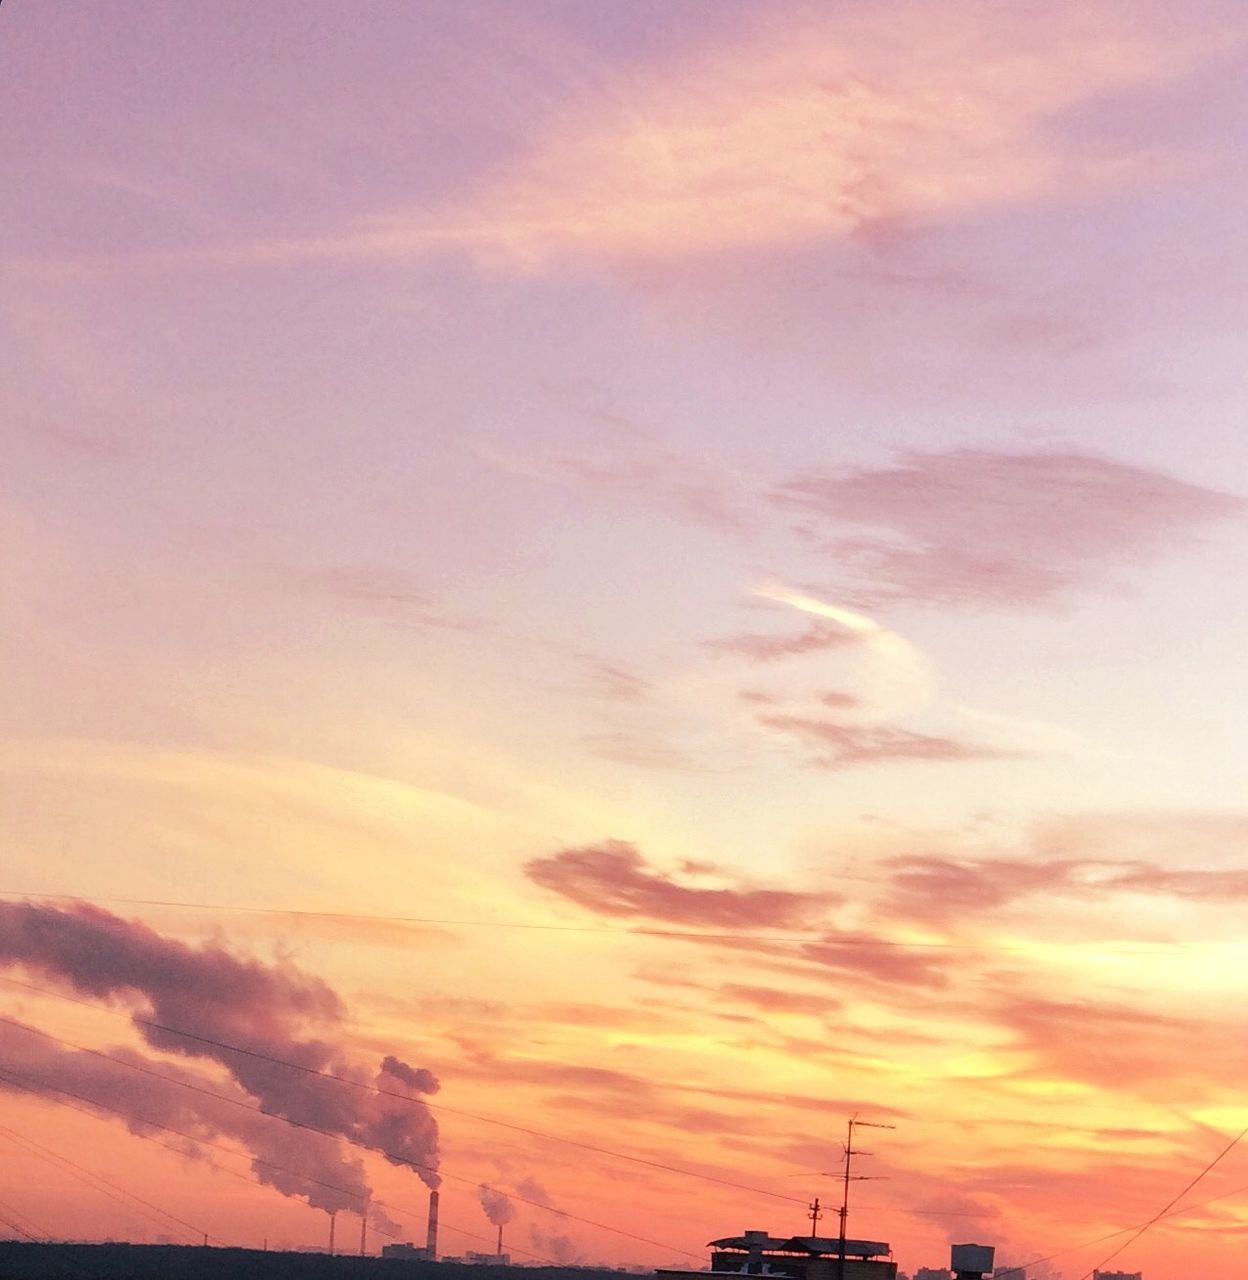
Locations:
(499, 1250)
(431, 1237)
(332, 1216)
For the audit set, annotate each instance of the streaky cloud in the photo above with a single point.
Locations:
(980, 527)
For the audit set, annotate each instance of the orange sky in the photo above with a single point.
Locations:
(677, 564)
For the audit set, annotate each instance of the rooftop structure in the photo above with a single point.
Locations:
(757, 1253)
(971, 1261)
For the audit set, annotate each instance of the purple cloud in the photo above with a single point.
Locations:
(986, 527)
(613, 879)
(846, 746)
(932, 888)
(762, 647)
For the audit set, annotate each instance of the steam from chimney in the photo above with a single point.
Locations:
(294, 1161)
(497, 1205)
(381, 1221)
(558, 1248)
(415, 1078)
(270, 1011)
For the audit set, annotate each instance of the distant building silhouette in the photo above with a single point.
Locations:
(407, 1252)
(756, 1253)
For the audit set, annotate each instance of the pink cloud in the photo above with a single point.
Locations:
(986, 527)
(487, 1064)
(662, 479)
(846, 746)
(642, 750)
(751, 995)
(613, 879)
(933, 888)
(927, 887)
(629, 466)
(839, 700)
(761, 647)
(1208, 885)
(869, 956)
(775, 1000)
(1118, 1046)
(392, 594)
(612, 680)
(782, 133)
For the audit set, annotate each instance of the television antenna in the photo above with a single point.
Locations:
(846, 1178)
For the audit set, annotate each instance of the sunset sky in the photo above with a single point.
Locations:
(674, 565)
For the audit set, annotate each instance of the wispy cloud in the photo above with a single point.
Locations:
(1113, 1045)
(613, 879)
(893, 678)
(990, 527)
(614, 680)
(628, 466)
(843, 746)
(792, 131)
(763, 647)
(891, 648)
(393, 594)
(788, 132)
(868, 955)
(936, 888)
(642, 749)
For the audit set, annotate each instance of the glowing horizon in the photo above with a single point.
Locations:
(669, 568)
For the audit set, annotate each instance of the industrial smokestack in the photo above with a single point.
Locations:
(498, 1208)
(332, 1218)
(431, 1236)
(364, 1229)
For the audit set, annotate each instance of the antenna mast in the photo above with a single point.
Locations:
(847, 1178)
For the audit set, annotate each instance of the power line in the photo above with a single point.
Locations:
(42, 1090)
(37, 1233)
(393, 1157)
(1161, 1213)
(812, 938)
(537, 1133)
(388, 1093)
(103, 1184)
(1113, 1235)
(21, 1231)
(43, 1239)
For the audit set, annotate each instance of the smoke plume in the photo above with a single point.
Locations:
(414, 1077)
(497, 1205)
(559, 1248)
(383, 1222)
(296, 1162)
(241, 1014)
